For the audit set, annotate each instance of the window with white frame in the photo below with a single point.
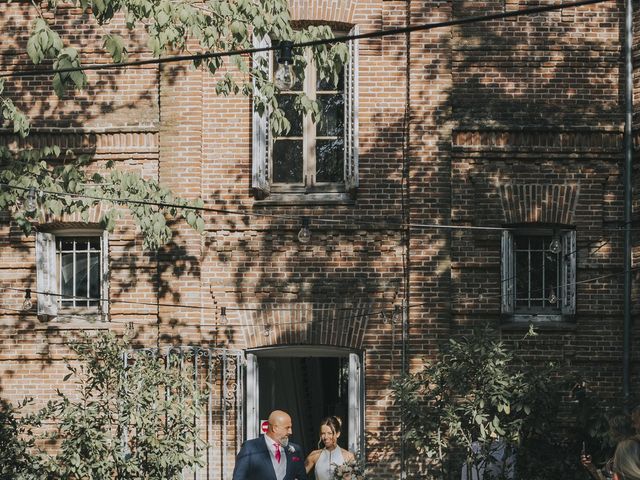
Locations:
(538, 273)
(312, 157)
(72, 273)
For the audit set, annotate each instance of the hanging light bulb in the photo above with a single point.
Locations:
(285, 79)
(223, 315)
(304, 235)
(384, 318)
(554, 246)
(267, 330)
(553, 298)
(31, 203)
(27, 304)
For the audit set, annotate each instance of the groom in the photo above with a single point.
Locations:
(271, 456)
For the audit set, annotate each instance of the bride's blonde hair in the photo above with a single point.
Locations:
(626, 460)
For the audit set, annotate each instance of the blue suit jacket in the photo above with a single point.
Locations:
(253, 462)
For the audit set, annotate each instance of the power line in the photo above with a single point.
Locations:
(199, 307)
(246, 213)
(340, 39)
(269, 308)
(251, 214)
(110, 301)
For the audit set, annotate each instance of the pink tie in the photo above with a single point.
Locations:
(278, 455)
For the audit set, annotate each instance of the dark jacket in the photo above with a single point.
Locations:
(253, 462)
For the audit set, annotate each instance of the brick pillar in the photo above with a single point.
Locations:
(179, 263)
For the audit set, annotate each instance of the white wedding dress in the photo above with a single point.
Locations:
(327, 463)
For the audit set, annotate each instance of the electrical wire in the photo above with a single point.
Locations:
(110, 301)
(266, 215)
(340, 39)
(198, 307)
(253, 214)
(278, 309)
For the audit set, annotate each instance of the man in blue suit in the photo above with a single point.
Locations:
(271, 456)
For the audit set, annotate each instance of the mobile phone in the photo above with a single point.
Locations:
(584, 449)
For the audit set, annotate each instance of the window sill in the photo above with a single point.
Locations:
(74, 322)
(540, 322)
(306, 199)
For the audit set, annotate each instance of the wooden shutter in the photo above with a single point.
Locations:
(261, 135)
(46, 274)
(568, 288)
(351, 177)
(356, 405)
(253, 397)
(507, 279)
(104, 274)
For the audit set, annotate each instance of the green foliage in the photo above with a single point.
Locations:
(11, 114)
(17, 442)
(121, 422)
(455, 408)
(170, 25)
(58, 177)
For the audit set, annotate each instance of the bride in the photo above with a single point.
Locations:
(325, 460)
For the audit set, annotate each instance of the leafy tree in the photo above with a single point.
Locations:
(17, 442)
(121, 422)
(474, 398)
(170, 26)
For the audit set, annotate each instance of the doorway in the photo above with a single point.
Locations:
(310, 384)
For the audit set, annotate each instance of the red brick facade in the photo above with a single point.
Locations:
(484, 125)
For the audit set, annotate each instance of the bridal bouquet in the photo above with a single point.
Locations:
(353, 470)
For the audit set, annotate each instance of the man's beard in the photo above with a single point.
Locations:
(284, 441)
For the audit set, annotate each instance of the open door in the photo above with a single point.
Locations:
(310, 383)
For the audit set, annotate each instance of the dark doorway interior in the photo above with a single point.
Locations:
(309, 389)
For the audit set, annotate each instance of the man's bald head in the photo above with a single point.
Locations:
(279, 426)
(278, 417)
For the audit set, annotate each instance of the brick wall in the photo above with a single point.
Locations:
(531, 104)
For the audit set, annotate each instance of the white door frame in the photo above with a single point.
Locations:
(253, 397)
(356, 388)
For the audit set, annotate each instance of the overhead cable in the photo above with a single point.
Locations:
(311, 43)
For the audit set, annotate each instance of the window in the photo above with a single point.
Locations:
(312, 158)
(538, 273)
(71, 273)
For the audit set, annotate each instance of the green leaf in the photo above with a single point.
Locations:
(58, 86)
(33, 50)
(78, 78)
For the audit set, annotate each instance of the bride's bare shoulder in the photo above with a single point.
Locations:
(314, 455)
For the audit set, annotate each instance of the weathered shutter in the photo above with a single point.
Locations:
(104, 273)
(46, 273)
(261, 136)
(507, 279)
(252, 401)
(356, 403)
(351, 177)
(568, 288)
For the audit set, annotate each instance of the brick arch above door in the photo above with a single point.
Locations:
(332, 324)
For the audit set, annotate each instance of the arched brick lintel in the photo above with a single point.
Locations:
(331, 324)
(323, 11)
(539, 203)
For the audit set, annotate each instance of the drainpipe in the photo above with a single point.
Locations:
(628, 190)
(406, 220)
